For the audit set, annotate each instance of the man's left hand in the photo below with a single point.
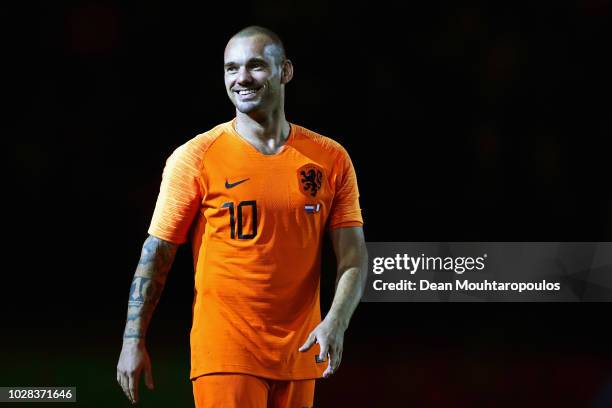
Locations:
(330, 336)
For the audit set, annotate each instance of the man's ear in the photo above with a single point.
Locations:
(286, 71)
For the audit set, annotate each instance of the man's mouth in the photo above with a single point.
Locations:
(246, 92)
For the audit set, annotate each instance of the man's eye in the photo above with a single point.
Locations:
(230, 69)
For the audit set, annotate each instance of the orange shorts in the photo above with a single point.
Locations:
(229, 390)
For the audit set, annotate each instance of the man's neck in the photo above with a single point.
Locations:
(266, 134)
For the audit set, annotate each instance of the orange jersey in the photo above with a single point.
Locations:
(256, 224)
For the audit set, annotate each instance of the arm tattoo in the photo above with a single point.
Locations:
(148, 283)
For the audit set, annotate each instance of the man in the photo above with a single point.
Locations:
(255, 196)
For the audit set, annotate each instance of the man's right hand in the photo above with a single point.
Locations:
(134, 359)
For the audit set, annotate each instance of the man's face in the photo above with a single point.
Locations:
(253, 74)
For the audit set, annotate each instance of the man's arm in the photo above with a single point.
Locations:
(352, 265)
(148, 283)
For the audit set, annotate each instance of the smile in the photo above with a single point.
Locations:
(246, 92)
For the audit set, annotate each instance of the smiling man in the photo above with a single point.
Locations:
(254, 196)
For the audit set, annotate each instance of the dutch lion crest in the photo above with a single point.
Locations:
(311, 179)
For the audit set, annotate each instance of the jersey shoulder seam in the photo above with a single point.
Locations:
(324, 141)
(201, 144)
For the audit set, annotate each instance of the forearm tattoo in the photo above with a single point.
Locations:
(148, 283)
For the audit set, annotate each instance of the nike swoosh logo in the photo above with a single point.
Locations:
(231, 185)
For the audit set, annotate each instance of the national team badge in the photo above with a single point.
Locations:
(310, 178)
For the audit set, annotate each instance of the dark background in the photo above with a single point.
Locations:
(465, 121)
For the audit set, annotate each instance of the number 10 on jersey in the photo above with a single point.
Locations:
(236, 225)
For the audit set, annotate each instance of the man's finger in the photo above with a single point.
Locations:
(120, 381)
(333, 358)
(124, 384)
(324, 350)
(332, 363)
(336, 360)
(328, 371)
(129, 388)
(148, 375)
(133, 386)
(309, 342)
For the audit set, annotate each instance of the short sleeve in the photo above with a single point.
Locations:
(180, 196)
(345, 211)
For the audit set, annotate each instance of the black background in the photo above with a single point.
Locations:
(465, 121)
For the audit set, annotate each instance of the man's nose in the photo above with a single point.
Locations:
(244, 76)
